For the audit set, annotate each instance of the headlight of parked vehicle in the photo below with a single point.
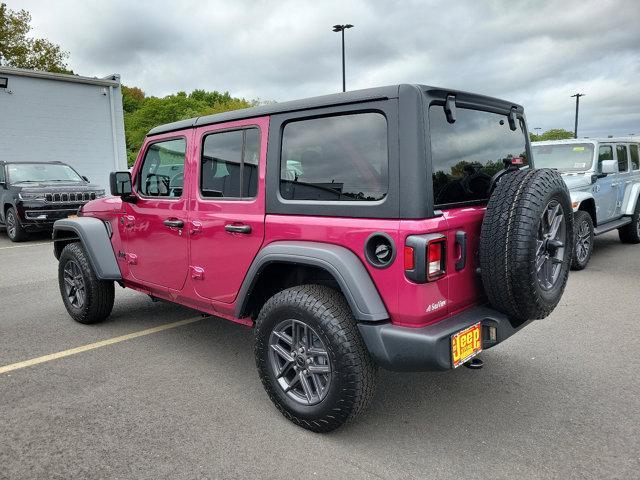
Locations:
(31, 196)
(99, 193)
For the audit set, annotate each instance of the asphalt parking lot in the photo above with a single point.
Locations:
(558, 400)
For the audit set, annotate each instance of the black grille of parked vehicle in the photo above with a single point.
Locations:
(70, 197)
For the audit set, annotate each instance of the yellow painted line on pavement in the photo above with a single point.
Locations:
(100, 344)
(26, 245)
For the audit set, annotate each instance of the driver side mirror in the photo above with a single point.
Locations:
(121, 186)
(607, 167)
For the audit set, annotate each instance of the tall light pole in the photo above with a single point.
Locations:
(341, 29)
(577, 95)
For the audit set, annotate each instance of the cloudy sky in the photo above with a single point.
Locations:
(536, 53)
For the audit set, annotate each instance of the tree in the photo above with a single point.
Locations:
(141, 113)
(553, 134)
(19, 50)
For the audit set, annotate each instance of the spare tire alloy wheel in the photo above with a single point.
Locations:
(552, 237)
(300, 362)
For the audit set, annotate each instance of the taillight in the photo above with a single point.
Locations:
(435, 259)
(424, 257)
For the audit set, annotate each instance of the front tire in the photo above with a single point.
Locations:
(311, 358)
(582, 240)
(15, 230)
(87, 299)
(630, 233)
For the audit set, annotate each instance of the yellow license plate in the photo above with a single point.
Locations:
(466, 344)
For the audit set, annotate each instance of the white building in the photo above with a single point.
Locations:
(50, 116)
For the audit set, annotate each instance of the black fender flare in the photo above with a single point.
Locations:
(344, 265)
(96, 241)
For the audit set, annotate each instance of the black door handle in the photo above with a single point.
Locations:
(461, 239)
(174, 223)
(237, 228)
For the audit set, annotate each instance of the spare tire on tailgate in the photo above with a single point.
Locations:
(525, 244)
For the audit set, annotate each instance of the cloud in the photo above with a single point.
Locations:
(533, 53)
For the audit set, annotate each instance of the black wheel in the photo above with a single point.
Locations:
(630, 233)
(311, 358)
(87, 299)
(15, 231)
(582, 240)
(526, 243)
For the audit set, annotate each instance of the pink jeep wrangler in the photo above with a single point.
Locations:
(401, 227)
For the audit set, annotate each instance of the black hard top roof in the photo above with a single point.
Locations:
(356, 96)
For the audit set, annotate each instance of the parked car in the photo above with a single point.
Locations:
(603, 176)
(34, 195)
(400, 227)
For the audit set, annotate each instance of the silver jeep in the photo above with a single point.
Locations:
(603, 176)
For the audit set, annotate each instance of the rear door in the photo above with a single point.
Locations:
(605, 190)
(228, 205)
(624, 176)
(466, 154)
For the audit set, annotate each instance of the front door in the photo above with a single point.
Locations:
(228, 205)
(156, 242)
(605, 190)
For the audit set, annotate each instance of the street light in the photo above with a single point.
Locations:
(577, 95)
(341, 29)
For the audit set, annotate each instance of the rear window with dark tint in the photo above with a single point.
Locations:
(337, 158)
(467, 153)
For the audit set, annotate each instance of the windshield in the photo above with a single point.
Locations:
(466, 154)
(567, 157)
(41, 172)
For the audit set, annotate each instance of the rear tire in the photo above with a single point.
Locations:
(15, 230)
(87, 299)
(339, 383)
(630, 233)
(526, 243)
(582, 240)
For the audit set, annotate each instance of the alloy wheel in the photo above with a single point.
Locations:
(300, 362)
(583, 241)
(74, 284)
(11, 225)
(550, 245)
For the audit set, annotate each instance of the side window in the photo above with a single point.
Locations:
(623, 159)
(2, 176)
(336, 158)
(229, 164)
(605, 152)
(635, 158)
(162, 172)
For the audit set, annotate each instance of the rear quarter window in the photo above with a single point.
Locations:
(335, 158)
(467, 153)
